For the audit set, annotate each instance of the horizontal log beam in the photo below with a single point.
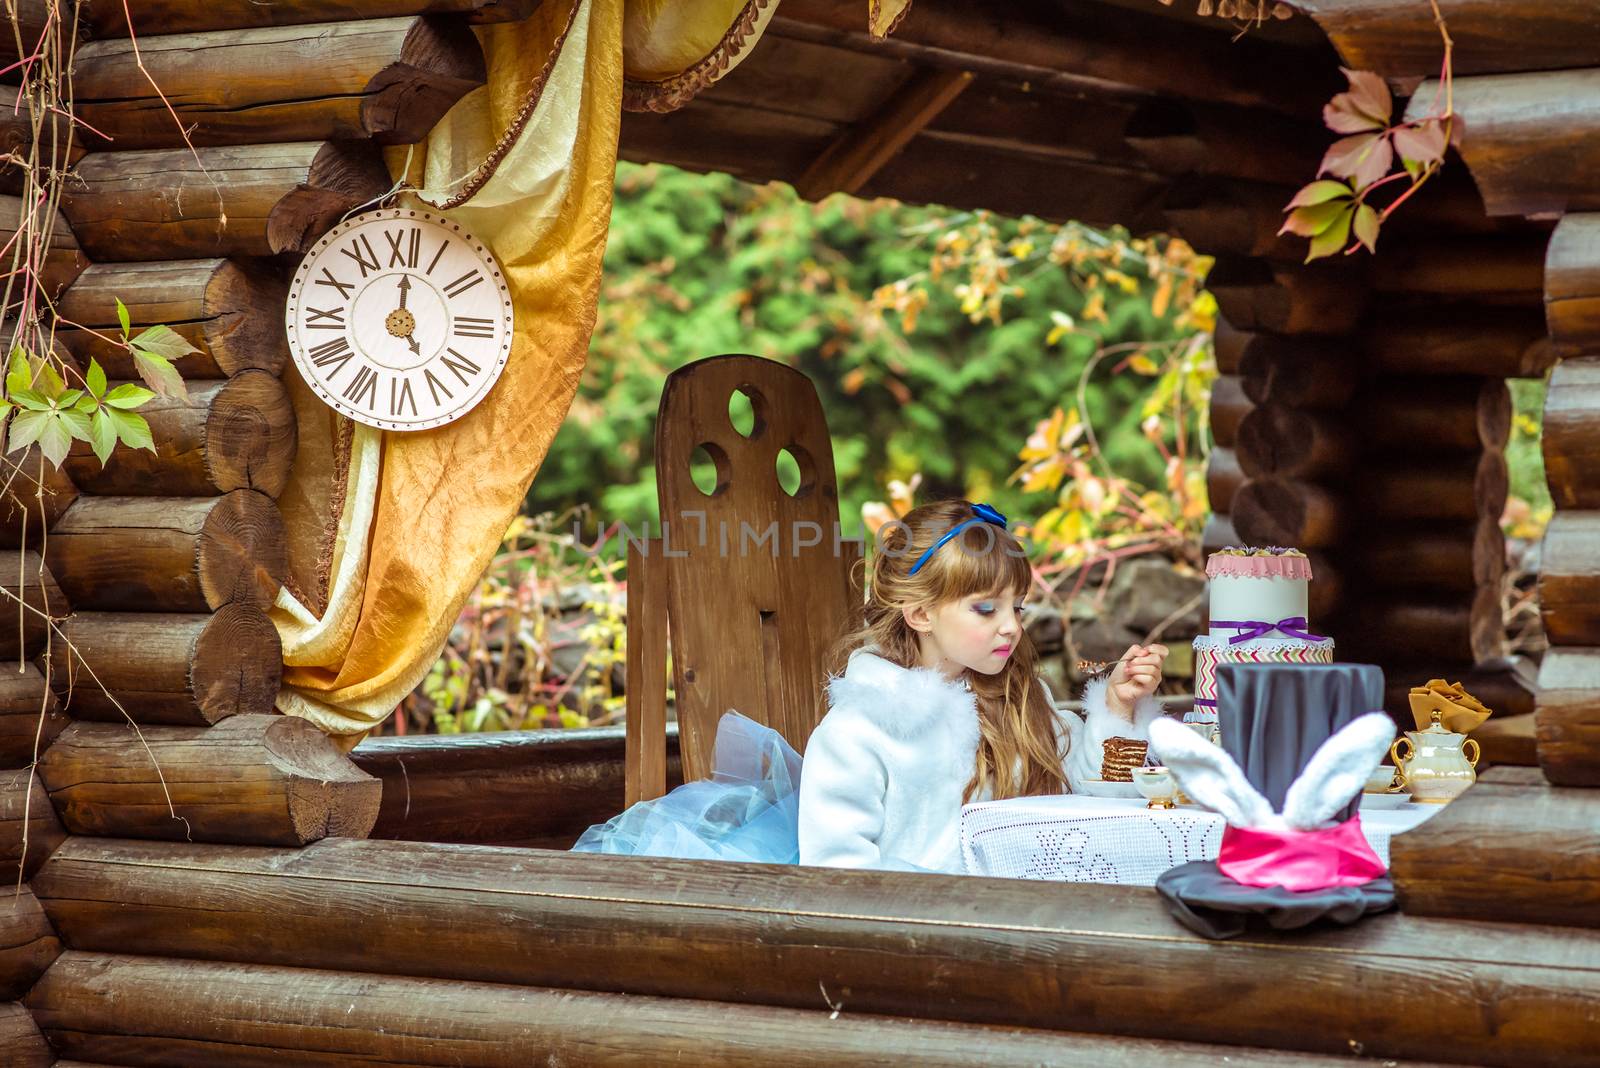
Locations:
(1299, 372)
(1572, 286)
(1282, 299)
(186, 670)
(245, 200)
(1494, 343)
(231, 310)
(1486, 270)
(1530, 140)
(222, 436)
(1219, 533)
(28, 943)
(1289, 443)
(1507, 687)
(20, 1040)
(1229, 406)
(510, 788)
(30, 718)
(1445, 630)
(1282, 511)
(1505, 851)
(170, 554)
(1400, 39)
(1223, 478)
(29, 829)
(1446, 487)
(1446, 557)
(1440, 414)
(1106, 959)
(180, 16)
(1571, 434)
(95, 1005)
(249, 780)
(1567, 721)
(63, 259)
(1186, 138)
(1232, 218)
(33, 495)
(388, 80)
(56, 148)
(1229, 343)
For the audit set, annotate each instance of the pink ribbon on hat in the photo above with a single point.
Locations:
(1300, 860)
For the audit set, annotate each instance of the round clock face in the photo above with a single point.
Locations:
(400, 319)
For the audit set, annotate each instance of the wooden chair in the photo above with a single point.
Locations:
(751, 609)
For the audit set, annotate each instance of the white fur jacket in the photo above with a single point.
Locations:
(884, 771)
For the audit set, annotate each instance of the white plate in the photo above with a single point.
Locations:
(1399, 800)
(1103, 788)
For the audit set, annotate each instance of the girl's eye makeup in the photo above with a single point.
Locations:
(986, 608)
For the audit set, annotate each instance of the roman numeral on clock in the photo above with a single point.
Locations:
(344, 288)
(473, 326)
(316, 315)
(363, 390)
(400, 396)
(412, 239)
(363, 255)
(332, 355)
(436, 387)
(459, 364)
(464, 283)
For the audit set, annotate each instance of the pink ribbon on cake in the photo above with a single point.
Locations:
(1250, 629)
(1300, 860)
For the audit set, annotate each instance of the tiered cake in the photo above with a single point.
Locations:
(1258, 616)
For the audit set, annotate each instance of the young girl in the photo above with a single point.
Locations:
(939, 702)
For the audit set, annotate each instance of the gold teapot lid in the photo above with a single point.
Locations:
(1436, 723)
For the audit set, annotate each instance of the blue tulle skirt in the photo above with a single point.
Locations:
(748, 810)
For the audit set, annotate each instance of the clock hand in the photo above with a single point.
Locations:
(412, 341)
(405, 287)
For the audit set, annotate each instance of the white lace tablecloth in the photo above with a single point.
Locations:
(1077, 839)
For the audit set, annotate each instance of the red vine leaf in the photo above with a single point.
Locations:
(1363, 158)
(1423, 143)
(1367, 106)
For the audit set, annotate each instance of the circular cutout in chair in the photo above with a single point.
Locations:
(797, 473)
(747, 412)
(709, 468)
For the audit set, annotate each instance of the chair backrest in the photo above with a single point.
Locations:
(758, 582)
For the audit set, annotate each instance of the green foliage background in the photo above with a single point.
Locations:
(699, 265)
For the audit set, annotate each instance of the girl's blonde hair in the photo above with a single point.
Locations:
(1019, 751)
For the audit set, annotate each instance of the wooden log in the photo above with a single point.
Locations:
(27, 21)
(177, 16)
(1445, 487)
(1487, 270)
(63, 259)
(223, 436)
(388, 80)
(1567, 720)
(1505, 851)
(1401, 40)
(1447, 631)
(1127, 49)
(29, 829)
(1572, 286)
(1434, 415)
(184, 1012)
(28, 943)
(1281, 511)
(1497, 343)
(511, 788)
(1508, 687)
(1232, 218)
(1571, 434)
(1218, 534)
(1529, 139)
(1185, 138)
(1326, 594)
(1228, 408)
(1569, 579)
(1284, 299)
(21, 1043)
(56, 148)
(1062, 955)
(33, 495)
(170, 554)
(1230, 343)
(29, 600)
(188, 670)
(231, 310)
(1278, 440)
(1223, 478)
(1299, 372)
(245, 200)
(1446, 557)
(249, 780)
(30, 719)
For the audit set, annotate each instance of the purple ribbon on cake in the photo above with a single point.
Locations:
(1250, 629)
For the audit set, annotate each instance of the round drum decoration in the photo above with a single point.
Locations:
(400, 319)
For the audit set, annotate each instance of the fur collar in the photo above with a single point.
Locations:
(905, 703)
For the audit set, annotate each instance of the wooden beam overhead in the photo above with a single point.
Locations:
(847, 164)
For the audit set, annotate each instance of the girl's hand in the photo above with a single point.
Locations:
(1136, 676)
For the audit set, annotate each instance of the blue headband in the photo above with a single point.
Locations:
(982, 513)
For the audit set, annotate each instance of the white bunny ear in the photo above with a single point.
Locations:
(1209, 775)
(1337, 771)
